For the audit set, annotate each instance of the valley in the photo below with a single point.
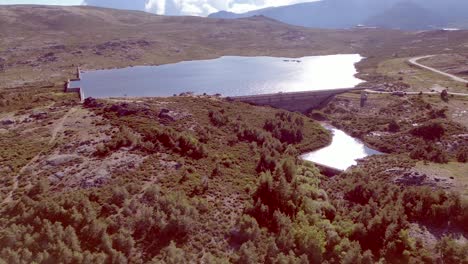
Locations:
(202, 179)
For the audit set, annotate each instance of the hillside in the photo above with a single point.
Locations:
(407, 15)
(96, 38)
(416, 15)
(181, 179)
(322, 14)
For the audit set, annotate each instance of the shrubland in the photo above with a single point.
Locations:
(221, 182)
(418, 125)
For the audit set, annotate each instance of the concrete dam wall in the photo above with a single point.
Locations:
(294, 101)
(78, 90)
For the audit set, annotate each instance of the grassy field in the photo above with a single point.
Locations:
(451, 63)
(452, 170)
(418, 79)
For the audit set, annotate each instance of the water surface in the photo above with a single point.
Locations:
(342, 153)
(229, 76)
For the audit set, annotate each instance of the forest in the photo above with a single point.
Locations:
(286, 211)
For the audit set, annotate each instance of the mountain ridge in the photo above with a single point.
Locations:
(337, 14)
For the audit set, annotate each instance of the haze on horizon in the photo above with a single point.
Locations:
(170, 7)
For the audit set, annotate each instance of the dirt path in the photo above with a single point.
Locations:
(59, 125)
(414, 93)
(414, 61)
(56, 129)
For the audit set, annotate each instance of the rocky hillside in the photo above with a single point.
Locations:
(204, 180)
(408, 15)
(99, 38)
(401, 14)
(96, 38)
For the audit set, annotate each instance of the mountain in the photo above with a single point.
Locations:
(322, 14)
(407, 15)
(402, 14)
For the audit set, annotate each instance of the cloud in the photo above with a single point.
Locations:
(191, 7)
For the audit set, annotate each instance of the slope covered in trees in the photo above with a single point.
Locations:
(229, 189)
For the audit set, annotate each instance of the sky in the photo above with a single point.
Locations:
(169, 7)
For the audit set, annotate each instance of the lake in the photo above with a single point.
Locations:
(342, 153)
(228, 75)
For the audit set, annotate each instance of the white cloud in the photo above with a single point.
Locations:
(191, 7)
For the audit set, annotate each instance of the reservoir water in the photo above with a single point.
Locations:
(342, 153)
(229, 76)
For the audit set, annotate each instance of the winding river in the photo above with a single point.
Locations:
(342, 153)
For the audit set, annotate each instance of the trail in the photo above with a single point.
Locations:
(415, 93)
(59, 125)
(55, 131)
(414, 61)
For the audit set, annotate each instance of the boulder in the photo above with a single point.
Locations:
(39, 115)
(167, 114)
(412, 178)
(125, 109)
(170, 115)
(59, 175)
(93, 183)
(59, 160)
(7, 122)
(91, 103)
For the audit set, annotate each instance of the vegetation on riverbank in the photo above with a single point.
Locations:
(218, 182)
(417, 125)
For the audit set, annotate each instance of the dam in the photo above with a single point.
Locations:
(294, 84)
(293, 101)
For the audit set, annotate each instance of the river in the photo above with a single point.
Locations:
(342, 153)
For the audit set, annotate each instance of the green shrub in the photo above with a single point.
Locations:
(286, 127)
(248, 254)
(119, 195)
(183, 143)
(430, 152)
(438, 113)
(252, 135)
(393, 126)
(40, 188)
(318, 115)
(247, 229)
(444, 95)
(218, 118)
(431, 131)
(462, 154)
(267, 160)
(123, 138)
(451, 251)
(172, 255)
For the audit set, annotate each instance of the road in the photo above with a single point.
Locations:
(414, 93)
(414, 61)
